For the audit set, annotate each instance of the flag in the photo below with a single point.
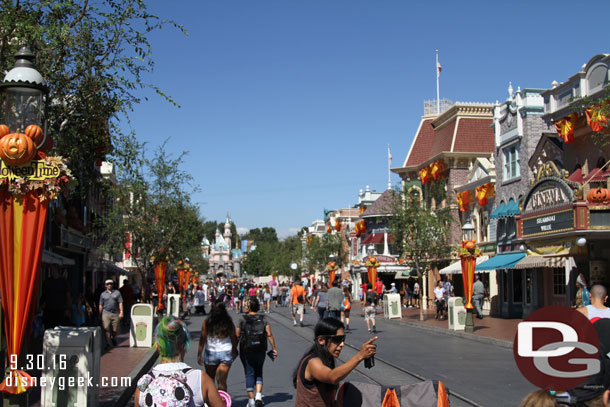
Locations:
(389, 157)
(439, 68)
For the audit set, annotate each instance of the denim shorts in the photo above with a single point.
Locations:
(216, 358)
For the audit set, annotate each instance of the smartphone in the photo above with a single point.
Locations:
(271, 355)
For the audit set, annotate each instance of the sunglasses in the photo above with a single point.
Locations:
(336, 339)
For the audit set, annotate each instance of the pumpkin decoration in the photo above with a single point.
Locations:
(598, 195)
(4, 130)
(469, 244)
(17, 149)
(35, 133)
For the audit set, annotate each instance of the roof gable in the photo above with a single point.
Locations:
(382, 206)
(422, 144)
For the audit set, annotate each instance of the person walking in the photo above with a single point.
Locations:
(111, 312)
(416, 294)
(199, 301)
(219, 337)
(172, 342)
(478, 294)
(596, 309)
(370, 309)
(316, 377)
(347, 306)
(439, 293)
(335, 299)
(267, 299)
(253, 333)
(297, 299)
(583, 297)
(320, 302)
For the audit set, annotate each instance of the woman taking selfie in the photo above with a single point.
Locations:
(316, 378)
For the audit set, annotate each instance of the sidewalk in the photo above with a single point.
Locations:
(121, 362)
(499, 331)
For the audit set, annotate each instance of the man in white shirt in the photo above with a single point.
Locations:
(439, 293)
(205, 291)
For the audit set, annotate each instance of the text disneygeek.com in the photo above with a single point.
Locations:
(61, 382)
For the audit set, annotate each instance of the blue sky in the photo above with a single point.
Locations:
(287, 107)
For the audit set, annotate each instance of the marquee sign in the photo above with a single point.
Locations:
(548, 193)
(549, 223)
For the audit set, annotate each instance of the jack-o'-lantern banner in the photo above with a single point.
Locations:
(338, 225)
(424, 175)
(596, 119)
(436, 169)
(463, 200)
(371, 265)
(160, 271)
(28, 181)
(468, 256)
(565, 127)
(332, 268)
(484, 192)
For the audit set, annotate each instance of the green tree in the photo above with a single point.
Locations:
(154, 209)
(421, 233)
(320, 249)
(95, 57)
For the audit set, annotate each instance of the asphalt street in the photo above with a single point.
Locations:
(476, 373)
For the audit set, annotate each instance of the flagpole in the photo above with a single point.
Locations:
(438, 98)
(389, 165)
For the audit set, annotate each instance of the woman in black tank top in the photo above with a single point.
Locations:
(316, 378)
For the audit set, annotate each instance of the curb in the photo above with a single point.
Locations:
(145, 365)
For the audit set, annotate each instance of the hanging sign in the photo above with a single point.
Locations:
(548, 223)
(35, 170)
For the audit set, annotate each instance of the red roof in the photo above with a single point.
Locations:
(424, 139)
(473, 135)
(376, 238)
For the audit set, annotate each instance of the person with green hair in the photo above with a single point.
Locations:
(172, 380)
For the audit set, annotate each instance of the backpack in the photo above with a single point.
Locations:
(169, 390)
(346, 304)
(371, 297)
(254, 335)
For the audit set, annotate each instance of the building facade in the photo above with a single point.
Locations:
(223, 260)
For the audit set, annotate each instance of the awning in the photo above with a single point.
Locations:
(49, 257)
(373, 238)
(512, 208)
(499, 212)
(501, 261)
(456, 268)
(403, 275)
(531, 262)
(113, 268)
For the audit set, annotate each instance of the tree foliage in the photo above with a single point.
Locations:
(320, 249)
(264, 235)
(420, 233)
(155, 209)
(95, 56)
(271, 255)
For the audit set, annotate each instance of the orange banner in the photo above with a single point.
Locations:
(483, 192)
(436, 169)
(595, 118)
(160, 270)
(424, 175)
(180, 273)
(22, 224)
(463, 200)
(565, 127)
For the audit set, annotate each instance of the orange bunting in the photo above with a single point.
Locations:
(436, 169)
(362, 209)
(338, 225)
(565, 127)
(424, 175)
(390, 399)
(329, 229)
(463, 199)
(596, 120)
(483, 192)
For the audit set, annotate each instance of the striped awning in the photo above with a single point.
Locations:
(531, 262)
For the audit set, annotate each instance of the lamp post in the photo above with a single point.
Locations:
(468, 254)
(23, 207)
(331, 269)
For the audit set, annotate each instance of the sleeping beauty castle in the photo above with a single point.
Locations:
(224, 261)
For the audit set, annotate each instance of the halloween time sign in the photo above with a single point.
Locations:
(35, 170)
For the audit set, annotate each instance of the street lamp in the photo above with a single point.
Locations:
(23, 95)
(468, 254)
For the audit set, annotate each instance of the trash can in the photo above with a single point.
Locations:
(173, 305)
(391, 306)
(71, 362)
(141, 328)
(457, 314)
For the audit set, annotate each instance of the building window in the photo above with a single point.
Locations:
(511, 162)
(559, 282)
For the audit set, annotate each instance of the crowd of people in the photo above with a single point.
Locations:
(222, 341)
